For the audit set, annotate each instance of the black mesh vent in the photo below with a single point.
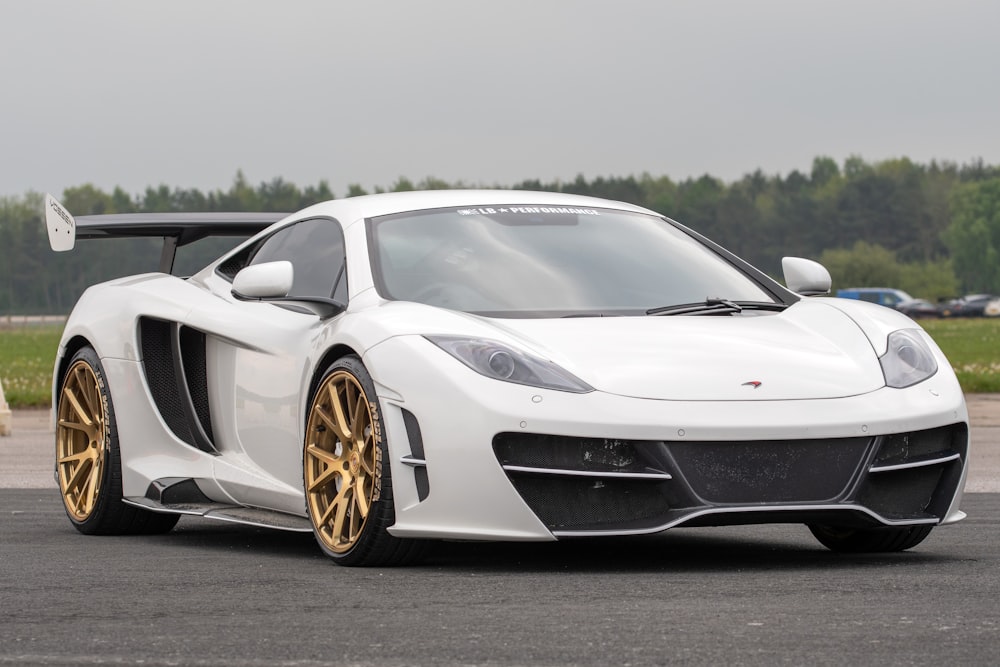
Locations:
(193, 356)
(590, 504)
(770, 471)
(918, 490)
(901, 494)
(157, 362)
(906, 447)
(232, 266)
(532, 450)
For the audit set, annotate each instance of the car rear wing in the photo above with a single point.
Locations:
(176, 229)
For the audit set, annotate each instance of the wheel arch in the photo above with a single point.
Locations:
(72, 346)
(329, 357)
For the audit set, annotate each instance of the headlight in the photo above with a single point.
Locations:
(908, 360)
(500, 362)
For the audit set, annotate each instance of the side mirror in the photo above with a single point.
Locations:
(805, 276)
(270, 280)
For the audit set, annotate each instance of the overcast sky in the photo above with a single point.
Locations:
(185, 93)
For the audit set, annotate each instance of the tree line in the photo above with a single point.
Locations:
(930, 229)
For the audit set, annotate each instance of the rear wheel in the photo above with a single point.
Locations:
(88, 460)
(348, 482)
(870, 540)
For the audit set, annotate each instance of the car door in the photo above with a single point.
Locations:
(260, 372)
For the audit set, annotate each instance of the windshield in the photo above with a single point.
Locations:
(537, 261)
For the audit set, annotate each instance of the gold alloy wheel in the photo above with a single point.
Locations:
(342, 457)
(81, 441)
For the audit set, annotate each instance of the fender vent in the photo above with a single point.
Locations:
(173, 358)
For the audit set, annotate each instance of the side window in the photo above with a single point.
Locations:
(316, 250)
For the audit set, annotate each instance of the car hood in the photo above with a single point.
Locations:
(810, 351)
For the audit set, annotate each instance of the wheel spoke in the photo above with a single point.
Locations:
(80, 475)
(361, 501)
(356, 521)
(329, 474)
(90, 489)
(323, 455)
(76, 457)
(360, 421)
(341, 421)
(368, 466)
(342, 503)
(84, 415)
(324, 519)
(83, 380)
(76, 426)
(330, 421)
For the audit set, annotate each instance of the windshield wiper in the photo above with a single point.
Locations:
(715, 306)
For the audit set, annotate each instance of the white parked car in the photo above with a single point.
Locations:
(394, 369)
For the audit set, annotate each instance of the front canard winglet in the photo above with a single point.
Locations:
(60, 225)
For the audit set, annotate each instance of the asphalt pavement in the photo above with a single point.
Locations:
(223, 595)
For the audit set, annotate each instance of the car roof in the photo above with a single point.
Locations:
(368, 206)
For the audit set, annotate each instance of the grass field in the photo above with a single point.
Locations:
(26, 356)
(973, 348)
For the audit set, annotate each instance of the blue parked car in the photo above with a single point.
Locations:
(884, 296)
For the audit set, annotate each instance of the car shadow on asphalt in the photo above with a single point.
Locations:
(680, 550)
(728, 549)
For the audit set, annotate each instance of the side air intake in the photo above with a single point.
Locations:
(173, 358)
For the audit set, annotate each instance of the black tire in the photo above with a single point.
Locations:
(88, 458)
(870, 540)
(346, 473)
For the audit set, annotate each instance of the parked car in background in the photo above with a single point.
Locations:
(971, 305)
(917, 308)
(884, 296)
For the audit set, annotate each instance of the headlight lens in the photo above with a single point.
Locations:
(908, 360)
(501, 362)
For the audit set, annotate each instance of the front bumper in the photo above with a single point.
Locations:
(474, 458)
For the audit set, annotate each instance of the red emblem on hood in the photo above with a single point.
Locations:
(751, 383)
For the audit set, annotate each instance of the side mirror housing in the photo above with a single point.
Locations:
(805, 276)
(270, 280)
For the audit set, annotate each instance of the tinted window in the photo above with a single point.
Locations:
(524, 260)
(316, 250)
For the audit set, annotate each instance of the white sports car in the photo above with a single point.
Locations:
(392, 369)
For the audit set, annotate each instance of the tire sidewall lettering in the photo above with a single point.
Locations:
(377, 437)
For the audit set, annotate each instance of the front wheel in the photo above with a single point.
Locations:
(870, 540)
(348, 482)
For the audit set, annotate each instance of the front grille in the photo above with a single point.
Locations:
(772, 471)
